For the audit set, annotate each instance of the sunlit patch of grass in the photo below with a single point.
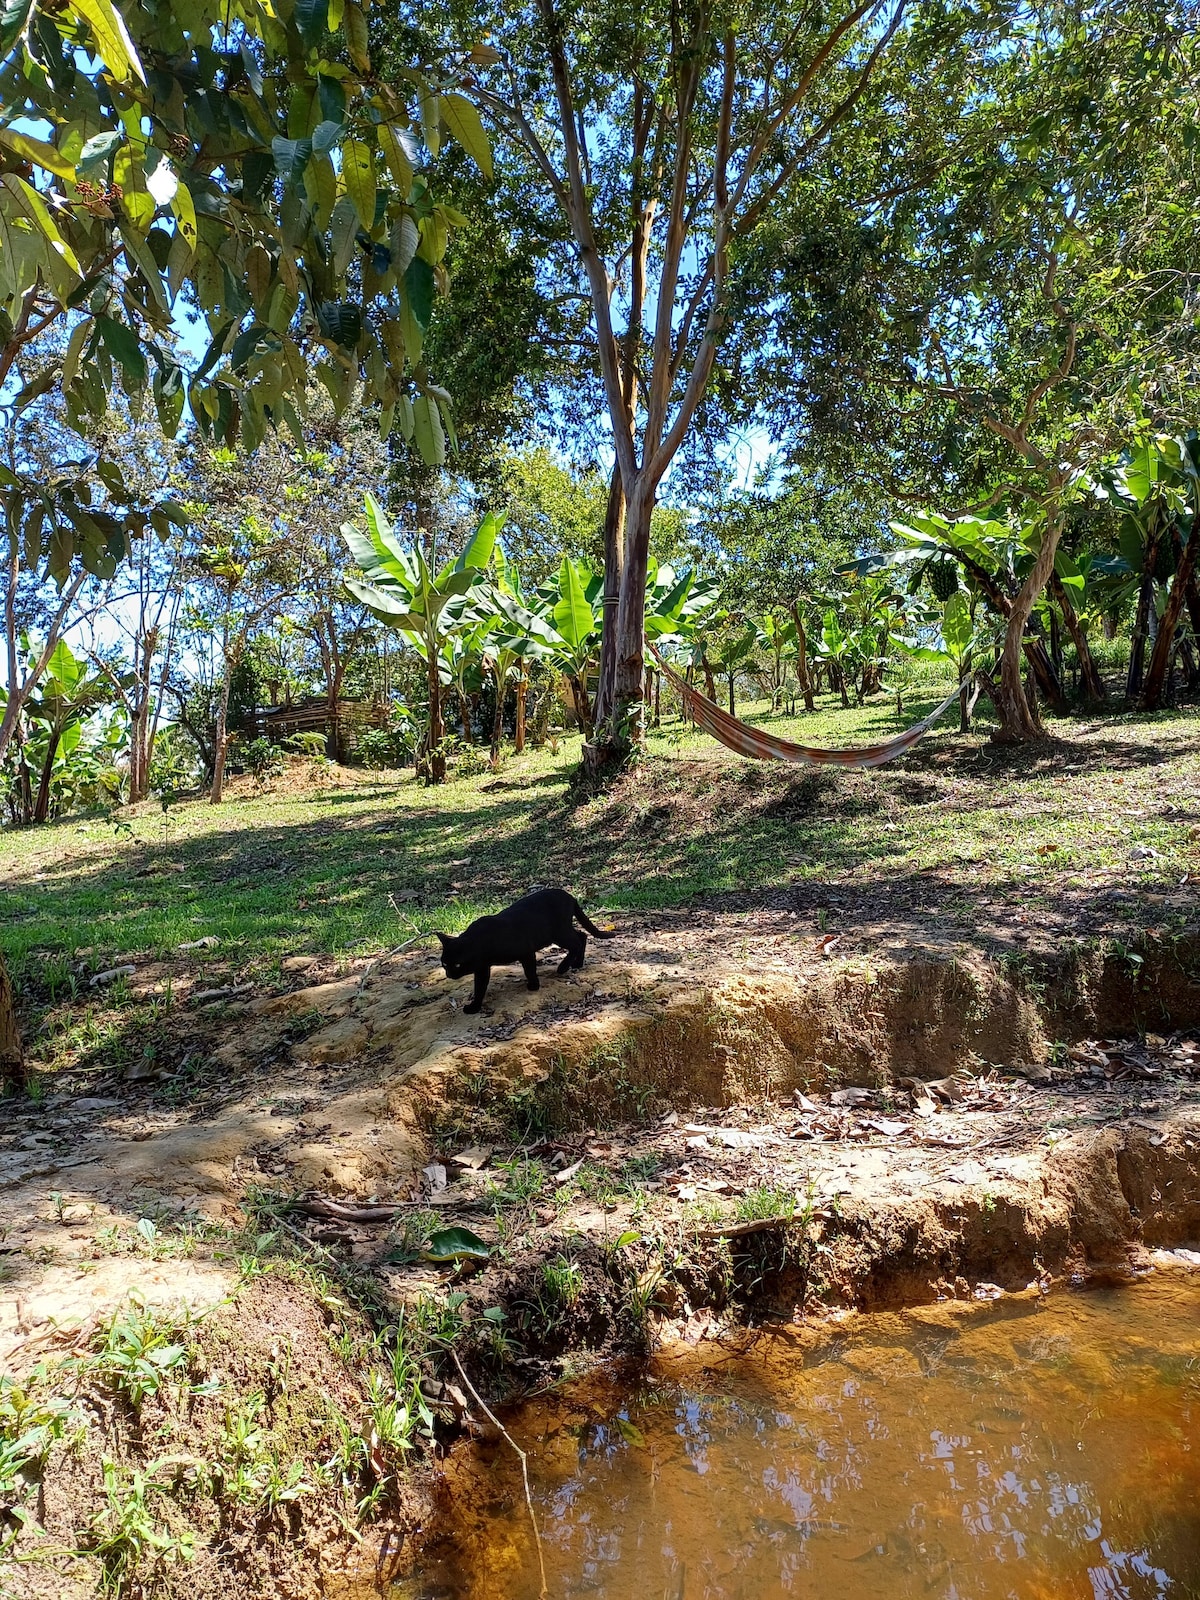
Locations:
(362, 866)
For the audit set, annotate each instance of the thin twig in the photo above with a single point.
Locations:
(492, 1418)
(386, 956)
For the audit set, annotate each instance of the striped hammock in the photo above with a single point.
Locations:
(760, 746)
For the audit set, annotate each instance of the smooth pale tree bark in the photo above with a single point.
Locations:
(709, 145)
(1019, 721)
(1035, 651)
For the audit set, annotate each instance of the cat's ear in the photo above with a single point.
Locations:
(445, 938)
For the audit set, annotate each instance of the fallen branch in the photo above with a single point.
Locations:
(220, 994)
(317, 1205)
(735, 1230)
(496, 1423)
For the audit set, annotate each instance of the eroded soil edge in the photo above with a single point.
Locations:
(715, 1134)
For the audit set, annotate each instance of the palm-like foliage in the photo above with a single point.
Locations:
(68, 696)
(405, 592)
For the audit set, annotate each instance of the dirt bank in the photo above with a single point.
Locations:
(729, 1118)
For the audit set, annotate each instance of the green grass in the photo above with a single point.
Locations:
(363, 865)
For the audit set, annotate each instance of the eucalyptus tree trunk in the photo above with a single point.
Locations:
(626, 713)
(614, 559)
(703, 146)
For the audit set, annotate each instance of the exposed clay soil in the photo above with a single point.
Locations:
(677, 1125)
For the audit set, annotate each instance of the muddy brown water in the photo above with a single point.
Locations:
(1024, 1449)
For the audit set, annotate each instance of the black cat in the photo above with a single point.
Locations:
(547, 916)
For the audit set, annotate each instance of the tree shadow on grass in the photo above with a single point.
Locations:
(673, 832)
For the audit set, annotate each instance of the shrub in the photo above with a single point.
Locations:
(175, 764)
(262, 758)
(393, 746)
(305, 744)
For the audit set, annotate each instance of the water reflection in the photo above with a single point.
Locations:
(1028, 1451)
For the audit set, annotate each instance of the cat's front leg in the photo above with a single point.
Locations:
(529, 963)
(482, 978)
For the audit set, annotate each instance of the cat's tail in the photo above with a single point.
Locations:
(584, 921)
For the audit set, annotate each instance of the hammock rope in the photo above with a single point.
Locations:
(761, 746)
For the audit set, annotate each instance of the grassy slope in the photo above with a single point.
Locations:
(311, 865)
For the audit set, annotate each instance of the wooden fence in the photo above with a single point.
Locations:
(351, 718)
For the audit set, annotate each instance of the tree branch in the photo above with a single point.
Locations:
(579, 216)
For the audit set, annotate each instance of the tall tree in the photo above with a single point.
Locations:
(240, 165)
(1028, 289)
(664, 139)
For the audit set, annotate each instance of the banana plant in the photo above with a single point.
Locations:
(461, 668)
(404, 592)
(570, 609)
(675, 604)
(1157, 487)
(835, 648)
(963, 635)
(778, 637)
(513, 636)
(736, 651)
(67, 697)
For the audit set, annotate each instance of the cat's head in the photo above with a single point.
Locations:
(452, 958)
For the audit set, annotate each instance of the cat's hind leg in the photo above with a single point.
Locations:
(482, 978)
(576, 945)
(529, 963)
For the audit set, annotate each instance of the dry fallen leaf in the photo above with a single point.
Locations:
(850, 1097)
(886, 1125)
(473, 1158)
